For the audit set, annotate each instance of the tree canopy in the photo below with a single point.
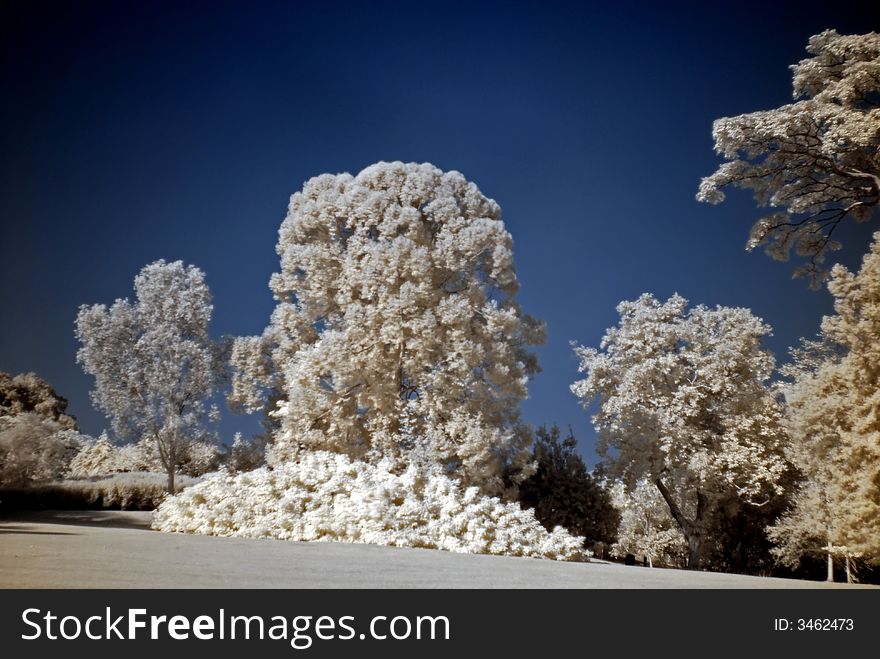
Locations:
(814, 162)
(396, 331)
(28, 392)
(684, 403)
(155, 365)
(834, 420)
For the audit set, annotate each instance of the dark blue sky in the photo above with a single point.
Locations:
(133, 131)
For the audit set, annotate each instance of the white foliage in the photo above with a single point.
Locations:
(154, 364)
(138, 456)
(834, 419)
(96, 458)
(396, 325)
(815, 161)
(199, 458)
(101, 457)
(28, 392)
(35, 448)
(646, 527)
(326, 496)
(684, 403)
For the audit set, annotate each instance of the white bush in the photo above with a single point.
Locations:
(328, 497)
(35, 448)
(96, 458)
(101, 457)
(198, 458)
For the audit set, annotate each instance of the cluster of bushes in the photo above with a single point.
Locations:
(101, 456)
(45, 463)
(35, 448)
(123, 491)
(326, 496)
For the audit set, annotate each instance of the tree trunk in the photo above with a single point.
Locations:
(848, 573)
(171, 471)
(691, 529)
(693, 541)
(830, 565)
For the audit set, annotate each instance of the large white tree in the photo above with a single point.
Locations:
(683, 402)
(397, 333)
(834, 418)
(815, 162)
(155, 365)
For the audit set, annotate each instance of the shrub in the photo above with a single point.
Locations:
(35, 448)
(329, 497)
(198, 458)
(96, 458)
(128, 491)
(101, 457)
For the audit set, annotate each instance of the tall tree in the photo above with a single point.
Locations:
(397, 332)
(562, 492)
(155, 366)
(814, 162)
(683, 403)
(834, 418)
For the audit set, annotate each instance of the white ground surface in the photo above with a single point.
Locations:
(117, 550)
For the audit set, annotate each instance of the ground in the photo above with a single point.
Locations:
(118, 550)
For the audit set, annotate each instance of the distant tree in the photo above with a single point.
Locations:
(814, 161)
(563, 493)
(683, 403)
(155, 366)
(834, 421)
(199, 457)
(34, 448)
(646, 527)
(96, 458)
(397, 327)
(28, 392)
(246, 455)
(736, 539)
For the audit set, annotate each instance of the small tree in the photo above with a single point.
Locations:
(397, 327)
(563, 493)
(154, 364)
(814, 161)
(646, 528)
(684, 404)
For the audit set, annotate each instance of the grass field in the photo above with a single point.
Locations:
(116, 549)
